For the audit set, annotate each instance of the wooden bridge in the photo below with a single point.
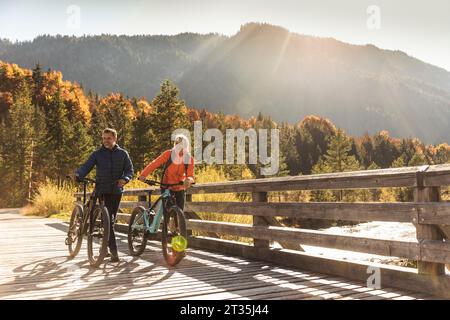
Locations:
(34, 263)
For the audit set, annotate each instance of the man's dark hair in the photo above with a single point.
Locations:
(110, 130)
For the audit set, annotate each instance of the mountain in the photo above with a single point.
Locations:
(261, 68)
(134, 65)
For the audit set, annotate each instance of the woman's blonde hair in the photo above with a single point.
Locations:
(184, 142)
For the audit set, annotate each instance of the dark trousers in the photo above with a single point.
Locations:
(112, 202)
(180, 197)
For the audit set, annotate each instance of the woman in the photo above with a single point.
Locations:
(179, 166)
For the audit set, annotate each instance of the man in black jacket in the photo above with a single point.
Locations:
(114, 170)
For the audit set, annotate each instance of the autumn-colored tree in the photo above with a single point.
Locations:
(115, 111)
(441, 153)
(64, 125)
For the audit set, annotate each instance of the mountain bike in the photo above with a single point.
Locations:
(90, 219)
(145, 222)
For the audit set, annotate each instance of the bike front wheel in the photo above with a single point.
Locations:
(137, 238)
(98, 235)
(174, 236)
(75, 233)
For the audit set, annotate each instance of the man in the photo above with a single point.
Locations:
(114, 170)
(179, 166)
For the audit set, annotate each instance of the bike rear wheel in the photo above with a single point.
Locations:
(75, 233)
(98, 235)
(174, 231)
(137, 235)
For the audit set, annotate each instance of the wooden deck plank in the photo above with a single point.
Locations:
(177, 280)
(34, 265)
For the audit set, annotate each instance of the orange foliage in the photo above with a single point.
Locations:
(193, 115)
(234, 121)
(114, 101)
(312, 121)
(145, 106)
(72, 94)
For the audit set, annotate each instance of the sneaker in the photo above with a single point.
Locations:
(113, 255)
(108, 253)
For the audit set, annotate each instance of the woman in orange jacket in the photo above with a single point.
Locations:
(181, 168)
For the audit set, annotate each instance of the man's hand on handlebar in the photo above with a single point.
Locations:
(142, 178)
(121, 182)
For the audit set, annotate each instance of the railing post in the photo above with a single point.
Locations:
(143, 198)
(260, 221)
(427, 232)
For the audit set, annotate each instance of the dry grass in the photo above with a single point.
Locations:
(211, 174)
(52, 200)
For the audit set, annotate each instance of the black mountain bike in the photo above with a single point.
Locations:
(146, 222)
(89, 219)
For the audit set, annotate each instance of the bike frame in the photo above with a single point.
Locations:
(153, 228)
(88, 207)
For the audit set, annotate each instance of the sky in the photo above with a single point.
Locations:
(421, 29)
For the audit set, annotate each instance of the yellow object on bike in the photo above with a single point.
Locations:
(179, 243)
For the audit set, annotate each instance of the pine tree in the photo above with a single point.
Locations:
(142, 139)
(17, 136)
(385, 151)
(313, 140)
(59, 134)
(418, 159)
(403, 193)
(288, 148)
(38, 83)
(337, 159)
(81, 145)
(98, 123)
(169, 114)
(366, 151)
(40, 152)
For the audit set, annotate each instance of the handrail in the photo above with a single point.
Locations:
(430, 216)
(431, 176)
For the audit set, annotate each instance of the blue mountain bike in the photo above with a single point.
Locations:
(146, 222)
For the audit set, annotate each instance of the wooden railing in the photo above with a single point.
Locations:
(430, 216)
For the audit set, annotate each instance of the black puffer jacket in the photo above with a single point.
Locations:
(111, 166)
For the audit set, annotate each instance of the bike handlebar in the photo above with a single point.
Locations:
(84, 180)
(154, 182)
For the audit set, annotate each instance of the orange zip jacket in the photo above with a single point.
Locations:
(174, 173)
